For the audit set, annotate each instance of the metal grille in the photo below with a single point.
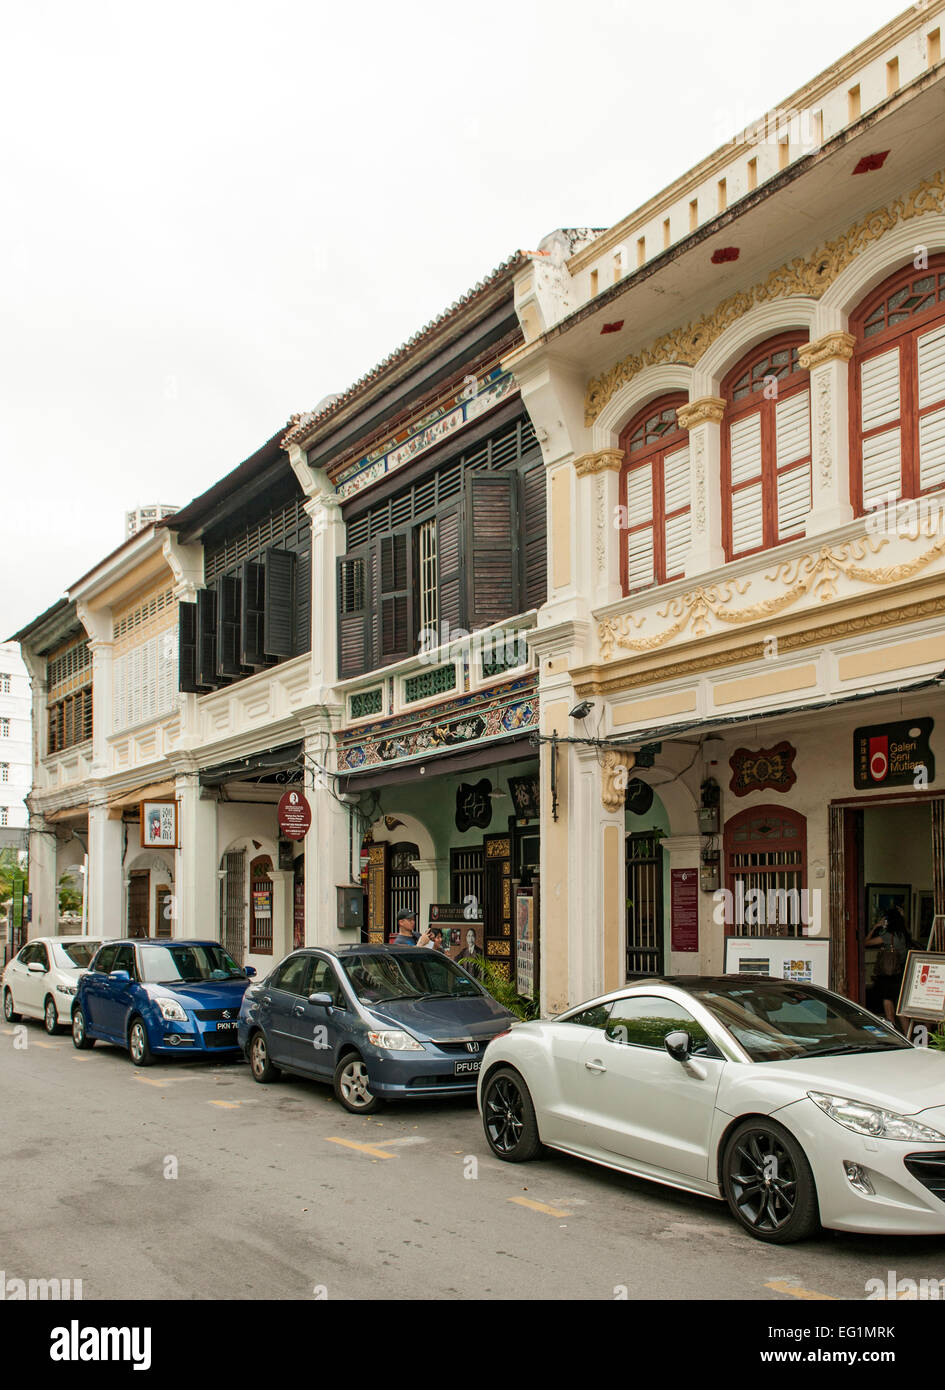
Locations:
(765, 852)
(644, 905)
(429, 683)
(466, 876)
(403, 881)
(232, 908)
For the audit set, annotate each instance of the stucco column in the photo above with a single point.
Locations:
(44, 878)
(283, 894)
(429, 871)
(196, 884)
(105, 876)
(702, 418)
(684, 853)
(332, 845)
(828, 361)
(328, 544)
(597, 547)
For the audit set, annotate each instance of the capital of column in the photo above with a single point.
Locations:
(615, 765)
(835, 346)
(698, 412)
(604, 461)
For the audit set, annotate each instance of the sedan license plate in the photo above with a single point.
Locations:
(472, 1066)
(226, 1024)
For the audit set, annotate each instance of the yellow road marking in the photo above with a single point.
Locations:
(230, 1104)
(796, 1291)
(35, 1042)
(361, 1148)
(539, 1206)
(148, 1080)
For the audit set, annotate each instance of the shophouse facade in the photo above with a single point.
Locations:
(740, 395)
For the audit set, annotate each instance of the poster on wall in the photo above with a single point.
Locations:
(262, 903)
(923, 987)
(158, 824)
(684, 909)
(465, 943)
(801, 959)
(525, 944)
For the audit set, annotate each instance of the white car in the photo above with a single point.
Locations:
(796, 1106)
(40, 981)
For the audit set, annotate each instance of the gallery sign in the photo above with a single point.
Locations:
(294, 815)
(893, 755)
(158, 824)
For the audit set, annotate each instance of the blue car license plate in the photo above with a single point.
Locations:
(472, 1066)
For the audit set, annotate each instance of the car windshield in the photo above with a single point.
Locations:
(70, 954)
(777, 1021)
(174, 965)
(407, 976)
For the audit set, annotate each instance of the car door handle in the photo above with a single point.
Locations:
(299, 1010)
(595, 1066)
(266, 1001)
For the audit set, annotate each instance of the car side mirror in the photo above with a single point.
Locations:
(678, 1045)
(36, 967)
(249, 971)
(321, 997)
(122, 976)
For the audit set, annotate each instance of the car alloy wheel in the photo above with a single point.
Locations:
(353, 1086)
(768, 1183)
(51, 1018)
(80, 1037)
(508, 1118)
(9, 1013)
(259, 1063)
(138, 1044)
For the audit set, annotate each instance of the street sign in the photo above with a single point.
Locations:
(294, 815)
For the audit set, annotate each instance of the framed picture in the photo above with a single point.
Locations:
(880, 897)
(465, 943)
(923, 987)
(924, 916)
(158, 824)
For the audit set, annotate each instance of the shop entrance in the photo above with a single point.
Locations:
(139, 881)
(403, 882)
(644, 904)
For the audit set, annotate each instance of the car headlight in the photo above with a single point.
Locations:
(170, 1009)
(65, 989)
(872, 1121)
(394, 1040)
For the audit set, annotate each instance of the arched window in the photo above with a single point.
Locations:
(766, 448)
(766, 872)
(654, 490)
(898, 391)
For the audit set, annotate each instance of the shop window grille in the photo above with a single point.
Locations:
(366, 702)
(426, 684)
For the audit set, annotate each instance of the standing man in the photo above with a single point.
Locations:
(406, 922)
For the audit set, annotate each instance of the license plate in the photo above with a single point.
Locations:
(460, 1068)
(226, 1025)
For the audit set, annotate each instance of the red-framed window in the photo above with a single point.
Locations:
(260, 906)
(654, 492)
(766, 855)
(897, 400)
(766, 479)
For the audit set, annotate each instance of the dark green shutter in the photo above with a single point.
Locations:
(228, 626)
(451, 588)
(534, 548)
(303, 603)
(187, 648)
(354, 655)
(279, 602)
(207, 639)
(491, 548)
(252, 608)
(394, 605)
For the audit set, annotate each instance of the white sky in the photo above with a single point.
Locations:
(214, 214)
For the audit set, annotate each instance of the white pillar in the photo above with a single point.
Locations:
(283, 898)
(196, 884)
(333, 843)
(702, 418)
(597, 495)
(104, 880)
(828, 361)
(44, 878)
(684, 853)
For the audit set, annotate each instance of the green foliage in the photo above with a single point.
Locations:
(10, 873)
(937, 1039)
(70, 897)
(503, 991)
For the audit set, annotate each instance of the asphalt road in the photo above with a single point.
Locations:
(280, 1193)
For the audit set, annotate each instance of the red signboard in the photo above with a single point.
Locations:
(684, 909)
(295, 815)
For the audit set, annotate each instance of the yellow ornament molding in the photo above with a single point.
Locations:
(810, 276)
(614, 768)
(831, 347)
(815, 573)
(697, 412)
(604, 461)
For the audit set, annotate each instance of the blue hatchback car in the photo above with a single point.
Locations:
(160, 998)
(376, 1022)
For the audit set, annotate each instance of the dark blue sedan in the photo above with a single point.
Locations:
(160, 998)
(376, 1022)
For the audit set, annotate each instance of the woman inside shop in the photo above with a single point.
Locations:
(892, 937)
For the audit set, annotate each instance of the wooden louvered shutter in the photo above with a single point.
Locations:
(228, 626)
(641, 551)
(252, 609)
(881, 434)
(207, 639)
(792, 458)
(279, 602)
(747, 495)
(930, 406)
(303, 604)
(491, 544)
(186, 648)
(534, 539)
(394, 615)
(354, 652)
(451, 590)
(677, 529)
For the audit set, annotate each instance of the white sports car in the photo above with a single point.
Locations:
(796, 1106)
(40, 981)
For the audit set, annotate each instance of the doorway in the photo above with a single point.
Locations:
(644, 904)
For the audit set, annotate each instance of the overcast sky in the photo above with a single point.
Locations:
(214, 214)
